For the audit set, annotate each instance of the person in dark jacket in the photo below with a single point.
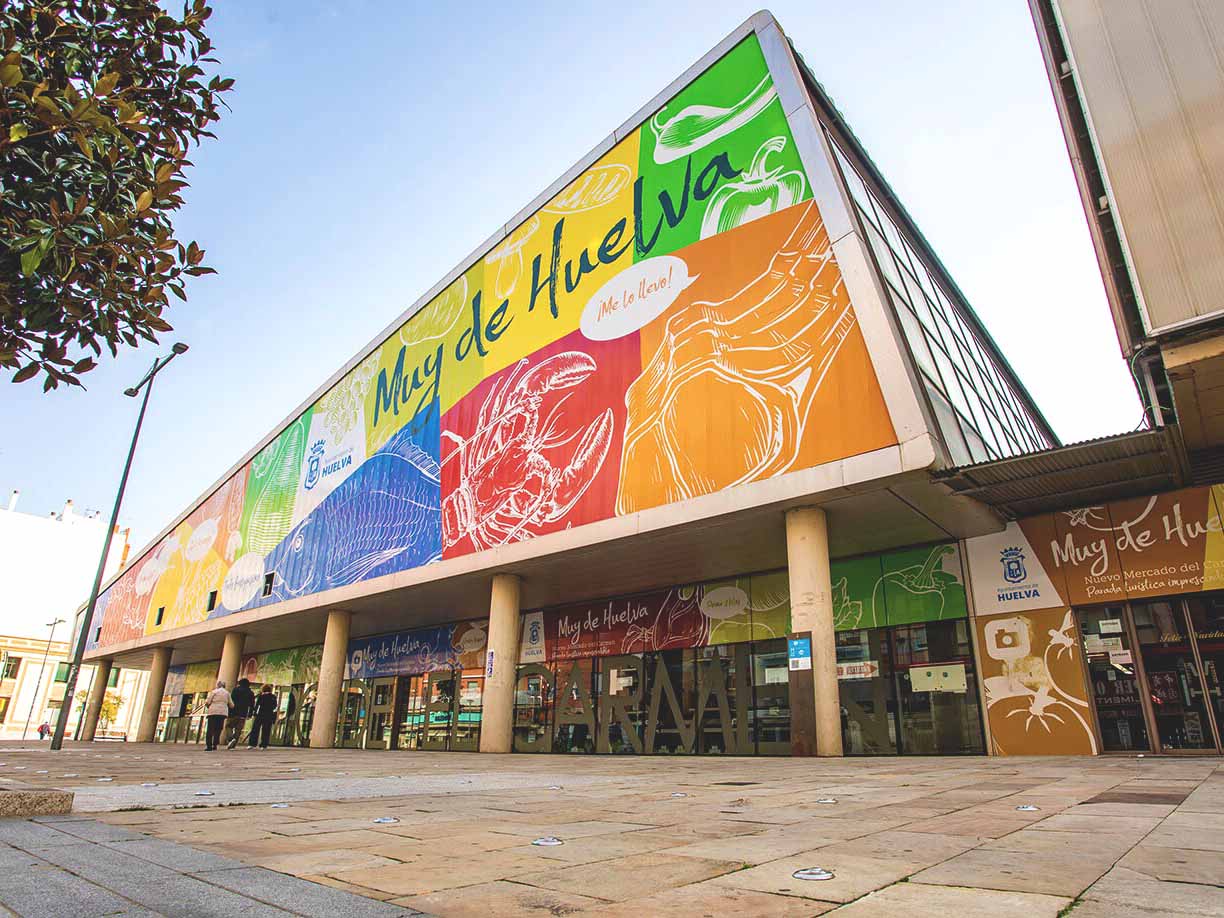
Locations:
(243, 700)
(265, 717)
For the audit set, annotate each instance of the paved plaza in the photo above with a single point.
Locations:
(451, 834)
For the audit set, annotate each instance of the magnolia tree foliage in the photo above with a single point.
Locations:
(100, 102)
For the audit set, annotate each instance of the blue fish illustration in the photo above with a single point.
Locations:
(385, 517)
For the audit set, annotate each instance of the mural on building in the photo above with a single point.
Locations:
(1149, 546)
(739, 609)
(897, 588)
(1027, 579)
(1032, 674)
(671, 323)
(420, 650)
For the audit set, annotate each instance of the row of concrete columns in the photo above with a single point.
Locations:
(816, 711)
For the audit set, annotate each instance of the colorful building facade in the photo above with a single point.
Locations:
(653, 471)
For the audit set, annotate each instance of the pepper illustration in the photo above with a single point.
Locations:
(758, 193)
(924, 585)
(696, 126)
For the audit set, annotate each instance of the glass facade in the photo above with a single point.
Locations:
(726, 699)
(909, 689)
(438, 711)
(978, 408)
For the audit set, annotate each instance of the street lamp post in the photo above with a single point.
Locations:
(78, 651)
(38, 681)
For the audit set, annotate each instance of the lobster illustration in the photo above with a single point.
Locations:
(511, 482)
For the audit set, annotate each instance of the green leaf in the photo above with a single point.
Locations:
(31, 259)
(29, 371)
(10, 75)
(18, 132)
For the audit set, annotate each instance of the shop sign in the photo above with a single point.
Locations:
(1110, 626)
(939, 677)
(489, 664)
(861, 669)
(1120, 657)
(799, 653)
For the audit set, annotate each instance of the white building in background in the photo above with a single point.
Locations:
(47, 566)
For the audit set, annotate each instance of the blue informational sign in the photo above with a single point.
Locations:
(799, 652)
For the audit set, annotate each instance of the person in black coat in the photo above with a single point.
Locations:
(243, 699)
(265, 717)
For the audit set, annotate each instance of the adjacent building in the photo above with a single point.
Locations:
(702, 452)
(48, 567)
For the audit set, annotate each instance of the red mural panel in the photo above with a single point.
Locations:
(124, 616)
(536, 448)
(662, 620)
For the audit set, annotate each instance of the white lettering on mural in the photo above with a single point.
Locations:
(1133, 537)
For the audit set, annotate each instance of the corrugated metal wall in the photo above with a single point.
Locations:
(1151, 77)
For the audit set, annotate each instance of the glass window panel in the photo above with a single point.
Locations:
(575, 707)
(1207, 620)
(1178, 700)
(724, 695)
(866, 691)
(769, 722)
(946, 418)
(621, 682)
(1115, 685)
(977, 446)
(939, 716)
(671, 702)
(884, 257)
(915, 336)
(534, 702)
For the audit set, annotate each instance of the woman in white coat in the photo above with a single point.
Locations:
(218, 706)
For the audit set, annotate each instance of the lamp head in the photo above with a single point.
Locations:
(179, 347)
(131, 392)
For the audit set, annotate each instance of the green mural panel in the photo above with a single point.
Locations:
(267, 514)
(858, 599)
(728, 122)
(923, 585)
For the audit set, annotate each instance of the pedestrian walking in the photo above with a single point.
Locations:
(218, 707)
(265, 717)
(44, 730)
(243, 700)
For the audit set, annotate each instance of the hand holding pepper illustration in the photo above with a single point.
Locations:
(760, 354)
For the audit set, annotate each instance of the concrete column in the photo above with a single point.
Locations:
(807, 558)
(154, 690)
(231, 658)
(331, 677)
(93, 707)
(501, 664)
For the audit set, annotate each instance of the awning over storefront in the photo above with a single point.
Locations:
(1081, 474)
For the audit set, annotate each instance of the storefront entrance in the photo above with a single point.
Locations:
(438, 711)
(1155, 669)
(729, 699)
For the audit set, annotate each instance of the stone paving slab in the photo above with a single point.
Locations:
(93, 869)
(657, 836)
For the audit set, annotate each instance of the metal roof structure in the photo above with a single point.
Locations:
(1077, 475)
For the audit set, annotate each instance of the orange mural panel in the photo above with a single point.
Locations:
(757, 369)
(1162, 541)
(1032, 672)
(1042, 533)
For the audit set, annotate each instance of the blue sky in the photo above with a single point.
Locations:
(372, 146)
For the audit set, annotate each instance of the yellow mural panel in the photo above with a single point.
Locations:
(562, 255)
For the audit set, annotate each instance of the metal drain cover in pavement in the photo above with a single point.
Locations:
(813, 873)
